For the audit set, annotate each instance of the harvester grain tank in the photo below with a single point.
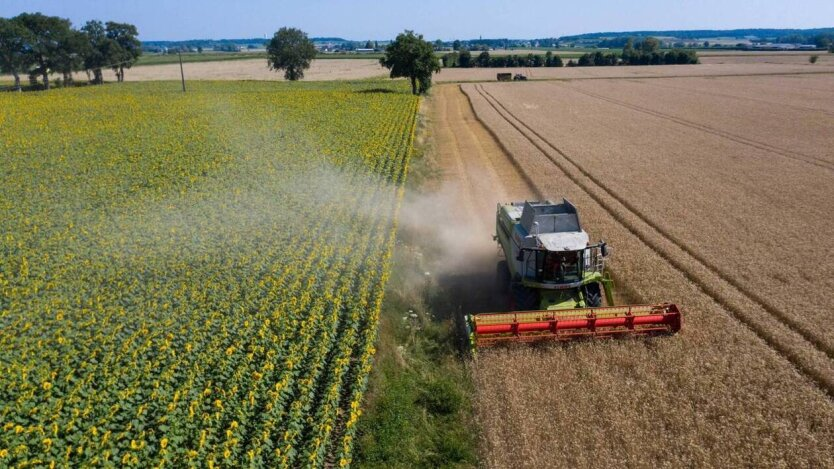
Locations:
(556, 281)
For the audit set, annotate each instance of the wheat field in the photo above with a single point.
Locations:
(714, 199)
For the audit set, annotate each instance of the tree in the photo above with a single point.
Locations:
(102, 51)
(290, 50)
(15, 41)
(483, 59)
(412, 57)
(70, 55)
(369, 45)
(129, 50)
(537, 60)
(48, 34)
(551, 60)
(649, 45)
(200, 49)
(465, 59)
(456, 45)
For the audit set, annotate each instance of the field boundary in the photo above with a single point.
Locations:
(822, 379)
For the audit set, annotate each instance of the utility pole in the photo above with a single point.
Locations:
(182, 73)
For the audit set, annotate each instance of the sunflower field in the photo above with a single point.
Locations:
(194, 280)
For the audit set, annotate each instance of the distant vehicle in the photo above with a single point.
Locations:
(505, 76)
(519, 77)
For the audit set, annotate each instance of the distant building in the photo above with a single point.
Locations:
(784, 46)
(365, 51)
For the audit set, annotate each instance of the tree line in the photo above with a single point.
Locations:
(465, 59)
(645, 52)
(36, 45)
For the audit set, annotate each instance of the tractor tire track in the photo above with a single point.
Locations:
(790, 154)
(822, 376)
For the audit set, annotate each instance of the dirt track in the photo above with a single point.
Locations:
(460, 211)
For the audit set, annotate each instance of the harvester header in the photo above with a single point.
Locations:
(563, 325)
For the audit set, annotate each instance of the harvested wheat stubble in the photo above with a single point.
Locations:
(746, 212)
(802, 133)
(801, 347)
(791, 59)
(805, 92)
(655, 71)
(714, 395)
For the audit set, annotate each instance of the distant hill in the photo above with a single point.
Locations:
(759, 33)
(212, 43)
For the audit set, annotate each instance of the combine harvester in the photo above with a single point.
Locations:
(556, 280)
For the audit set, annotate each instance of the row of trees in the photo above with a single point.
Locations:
(464, 59)
(672, 57)
(37, 45)
(645, 52)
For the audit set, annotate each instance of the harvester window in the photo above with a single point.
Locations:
(561, 267)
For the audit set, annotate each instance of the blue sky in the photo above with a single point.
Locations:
(364, 19)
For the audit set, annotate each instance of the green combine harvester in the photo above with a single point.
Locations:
(557, 283)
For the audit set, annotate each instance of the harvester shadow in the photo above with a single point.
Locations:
(454, 295)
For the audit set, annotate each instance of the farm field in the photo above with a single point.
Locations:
(161, 59)
(741, 64)
(247, 69)
(189, 280)
(728, 67)
(709, 203)
(256, 69)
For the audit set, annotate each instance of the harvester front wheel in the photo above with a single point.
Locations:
(523, 298)
(593, 295)
(502, 277)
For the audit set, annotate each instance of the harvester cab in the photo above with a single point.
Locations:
(556, 280)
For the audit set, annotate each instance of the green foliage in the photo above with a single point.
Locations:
(290, 50)
(102, 49)
(483, 59)
(465, 59)
(552, 60)
(14, 48)
(51, 45)
(418, 414)
(638, 56)
(440, 396)
(126, 37)
(648, 45)
(48, 35)
(412, 57)
(450, 59)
